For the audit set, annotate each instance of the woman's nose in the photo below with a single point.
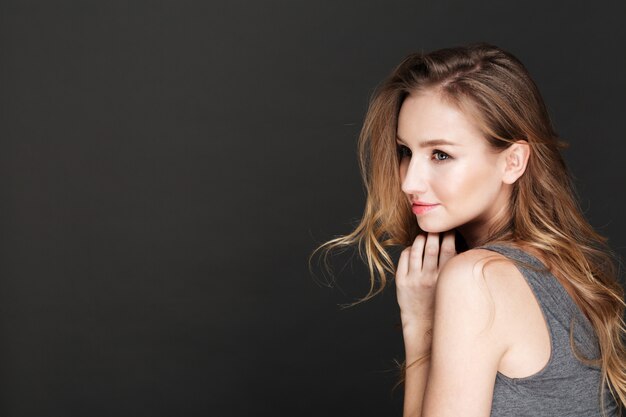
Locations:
(414, 181)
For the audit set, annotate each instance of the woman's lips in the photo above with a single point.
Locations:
(422, 208)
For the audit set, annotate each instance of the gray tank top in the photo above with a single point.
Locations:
(565, 386)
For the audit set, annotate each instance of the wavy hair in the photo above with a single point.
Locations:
(495, 88)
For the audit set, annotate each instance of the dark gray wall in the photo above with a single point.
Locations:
(167, 167)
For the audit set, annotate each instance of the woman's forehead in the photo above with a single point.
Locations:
(426, 120)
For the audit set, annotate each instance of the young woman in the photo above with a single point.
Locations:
(509, 300)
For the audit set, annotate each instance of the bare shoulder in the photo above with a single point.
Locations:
(488, 283)
(479, 264)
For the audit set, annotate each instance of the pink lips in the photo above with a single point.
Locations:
(423, 208)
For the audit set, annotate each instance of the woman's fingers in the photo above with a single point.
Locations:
(410, 258)
(403, 263)
(426, 254)
(415, 255)
(448, 248)
(431, 252)
(417, 273)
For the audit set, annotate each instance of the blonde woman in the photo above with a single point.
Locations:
(509, 300)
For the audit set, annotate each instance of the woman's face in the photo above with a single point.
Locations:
(463, 179)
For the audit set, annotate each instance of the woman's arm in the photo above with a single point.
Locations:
(416, 282)
(417, 343)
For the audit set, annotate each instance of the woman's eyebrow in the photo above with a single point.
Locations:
(431, 142)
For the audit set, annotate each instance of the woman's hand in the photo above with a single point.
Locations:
(416, 275)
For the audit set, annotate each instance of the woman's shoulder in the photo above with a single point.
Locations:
(482, 262)
(498, 262)
(485, 284)
(497, 274)
(495, 280)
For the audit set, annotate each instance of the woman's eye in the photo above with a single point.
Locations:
(403, 151)
(440, 156)
(444, 156)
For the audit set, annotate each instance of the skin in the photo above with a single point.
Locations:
(471, 184)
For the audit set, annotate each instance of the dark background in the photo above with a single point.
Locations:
(168, 166)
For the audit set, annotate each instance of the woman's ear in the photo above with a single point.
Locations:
(516, 157)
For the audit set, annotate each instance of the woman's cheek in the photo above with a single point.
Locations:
(452, 183)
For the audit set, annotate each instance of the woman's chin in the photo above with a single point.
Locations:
(432, 230)
(431, 227)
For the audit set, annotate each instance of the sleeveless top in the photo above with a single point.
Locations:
(565, 386)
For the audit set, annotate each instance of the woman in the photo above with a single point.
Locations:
(509, 300)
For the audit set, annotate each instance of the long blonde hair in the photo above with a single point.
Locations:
(497, 90)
